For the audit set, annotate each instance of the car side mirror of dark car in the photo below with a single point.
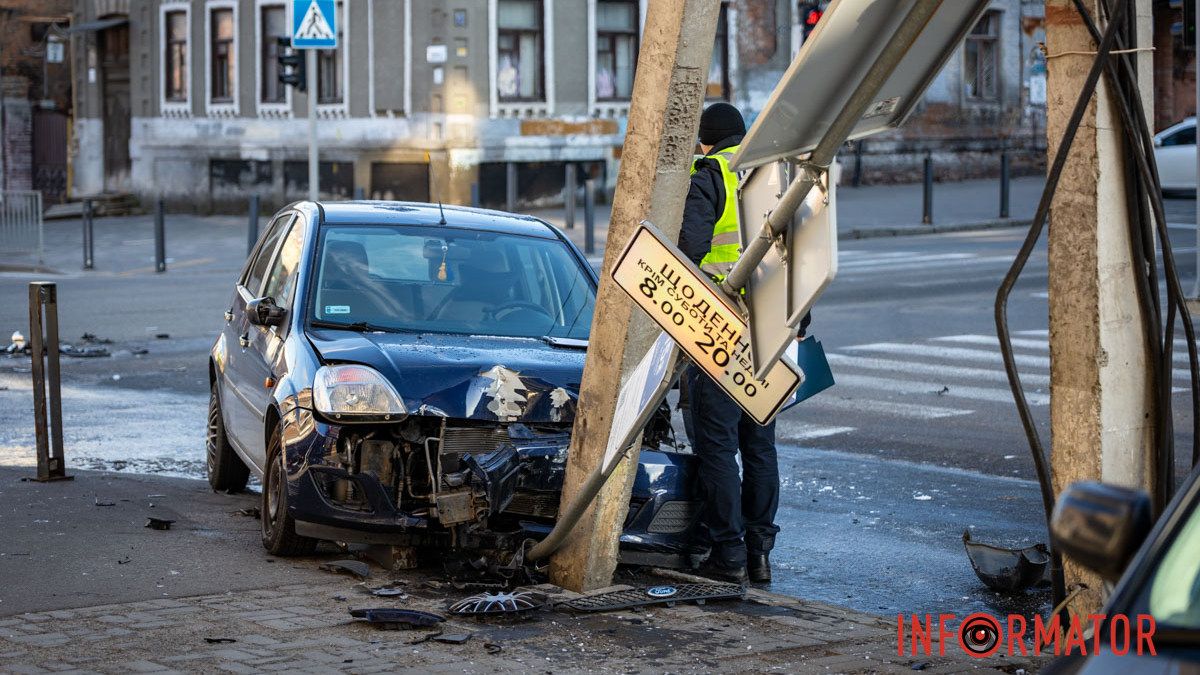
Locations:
(1101, 526)
(264, 312)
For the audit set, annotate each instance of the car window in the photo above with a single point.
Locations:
(258, 268)
(1174, 596)
(281, 282)
(448, 280)
(1185, 136)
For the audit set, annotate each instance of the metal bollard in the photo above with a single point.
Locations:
(88, 249)
(569, 196)
(475, 195)
(43, 346)
(858, 152)
(160, 235)
(360, 193)
(589, 216)
(1004, 194)
(927, 214)
(510, 187)
(252, 224)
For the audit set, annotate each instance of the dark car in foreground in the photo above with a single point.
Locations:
(406, 374)
(1156, 569)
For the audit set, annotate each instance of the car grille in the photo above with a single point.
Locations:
(674, 517)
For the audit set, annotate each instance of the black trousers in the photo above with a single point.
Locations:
(739, 510)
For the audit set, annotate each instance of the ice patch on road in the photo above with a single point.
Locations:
(109, 429)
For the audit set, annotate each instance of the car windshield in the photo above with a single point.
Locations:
(1174, 589)
(447, 280)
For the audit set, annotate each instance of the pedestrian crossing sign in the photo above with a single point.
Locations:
(314, 24)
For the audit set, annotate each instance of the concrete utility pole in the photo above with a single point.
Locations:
(664, 117)
(1102, 414)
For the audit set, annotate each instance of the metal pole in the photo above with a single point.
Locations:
(589, 216)
(314, 178)
(569, 196)
(510, 186)
(858, 152)
(927, 195)
(822, 156)
(1004, 193)
(37, 350)
(88, 250)
(160, 236)
(43, 343)
(475, 195)
(252, 224)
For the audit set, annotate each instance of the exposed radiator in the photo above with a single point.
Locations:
(456, 440)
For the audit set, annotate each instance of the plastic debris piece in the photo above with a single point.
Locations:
(453, 638)
(391, 618)
(219, 641)
(389, 592)
(163, 336)
(355, 567)
(158, 523)
(103, 502)
(249, 512)
(1007, 570)
(82, 352)
(493, 648)
(496, 604)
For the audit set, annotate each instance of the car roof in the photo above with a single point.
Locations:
(419, 213)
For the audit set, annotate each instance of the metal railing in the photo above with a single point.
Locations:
(21, 232)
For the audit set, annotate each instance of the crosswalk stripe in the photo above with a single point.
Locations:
(913, 388)
(892, 408)
(932, 369)
(1041, 332)
(959, 353)
(907, 266)
(912, 259)
(795, 429)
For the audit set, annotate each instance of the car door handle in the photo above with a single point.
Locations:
(244, 341)
(229, 316)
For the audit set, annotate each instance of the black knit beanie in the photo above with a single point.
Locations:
(720, 121)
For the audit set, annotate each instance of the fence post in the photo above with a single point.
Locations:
(589, 216)
(510, 187)
(160, 235)
(43, 347)
(569, 196)
(927, 213)
(88, 250)
(858, 152)
(1004, 194)
(252, 224)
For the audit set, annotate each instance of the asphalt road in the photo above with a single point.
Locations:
(918, 441)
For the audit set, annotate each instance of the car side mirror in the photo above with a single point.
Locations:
(264, 312)
(1101, 526)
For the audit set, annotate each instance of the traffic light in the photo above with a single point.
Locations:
(810, 14)
(291, 65)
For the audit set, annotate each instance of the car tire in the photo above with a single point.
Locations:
(226, 471)
(278, 528)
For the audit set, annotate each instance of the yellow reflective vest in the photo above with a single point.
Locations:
(725, 244)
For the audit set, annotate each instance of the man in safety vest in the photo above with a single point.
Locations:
(739, 512)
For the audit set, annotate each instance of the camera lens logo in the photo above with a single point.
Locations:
(979, 635)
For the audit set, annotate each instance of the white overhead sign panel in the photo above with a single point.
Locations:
(702, 321)
(314, 24)
(836, 58)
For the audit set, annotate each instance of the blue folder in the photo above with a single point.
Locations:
(810, 356)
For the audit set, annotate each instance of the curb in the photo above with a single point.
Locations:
(910, 230)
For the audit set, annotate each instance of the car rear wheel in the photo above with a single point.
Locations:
(278, 528)
(226, 471)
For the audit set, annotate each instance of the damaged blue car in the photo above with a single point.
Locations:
(407, 375)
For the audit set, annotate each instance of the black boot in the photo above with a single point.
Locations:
(735, 574)
(758, 566)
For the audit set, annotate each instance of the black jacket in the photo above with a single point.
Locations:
(704, 205)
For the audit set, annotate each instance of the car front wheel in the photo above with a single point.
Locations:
(278, 528)
(226, 471)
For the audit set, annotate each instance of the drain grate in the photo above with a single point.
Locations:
(654, 595)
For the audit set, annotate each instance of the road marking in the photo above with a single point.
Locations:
(931, 265)
(914, 388)
(911, 258)
(993, 341)
(892, 408)
(936, 351)
(807, 432)
(932, 369)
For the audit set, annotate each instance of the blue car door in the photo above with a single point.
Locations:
(239, 396)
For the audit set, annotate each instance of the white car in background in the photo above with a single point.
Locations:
(1175, 154)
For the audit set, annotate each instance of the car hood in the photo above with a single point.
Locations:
(466, 376)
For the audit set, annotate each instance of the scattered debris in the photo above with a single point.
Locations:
(391, 618)
(140, 351)
(116, 377)
(1007, 570)
(355, 567)
(498, 604)
(19, 345)
(426, 637)
(91, 338)
(920, 665)
(98, 502)
(944, 390)
(158, 523)
(397, 593)
(82, 352)
(249, 512)
(163, 336)
(493, 648)
(453, 638)
(219, 641)
(655, 595)
(125, 560)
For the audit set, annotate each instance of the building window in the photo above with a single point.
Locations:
(616, 48)
(272, 25)
(519, 70)
(330, 87)
(223, 59)
(981, 59)
(175, 57)
(718, 69)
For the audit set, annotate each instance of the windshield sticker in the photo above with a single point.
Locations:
(337, 309)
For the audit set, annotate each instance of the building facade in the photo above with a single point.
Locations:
(434, 100)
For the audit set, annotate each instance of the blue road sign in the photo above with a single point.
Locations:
(314, 24)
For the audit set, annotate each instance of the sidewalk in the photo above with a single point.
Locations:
(89, 589)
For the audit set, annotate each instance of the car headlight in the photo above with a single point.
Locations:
(356, 393)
